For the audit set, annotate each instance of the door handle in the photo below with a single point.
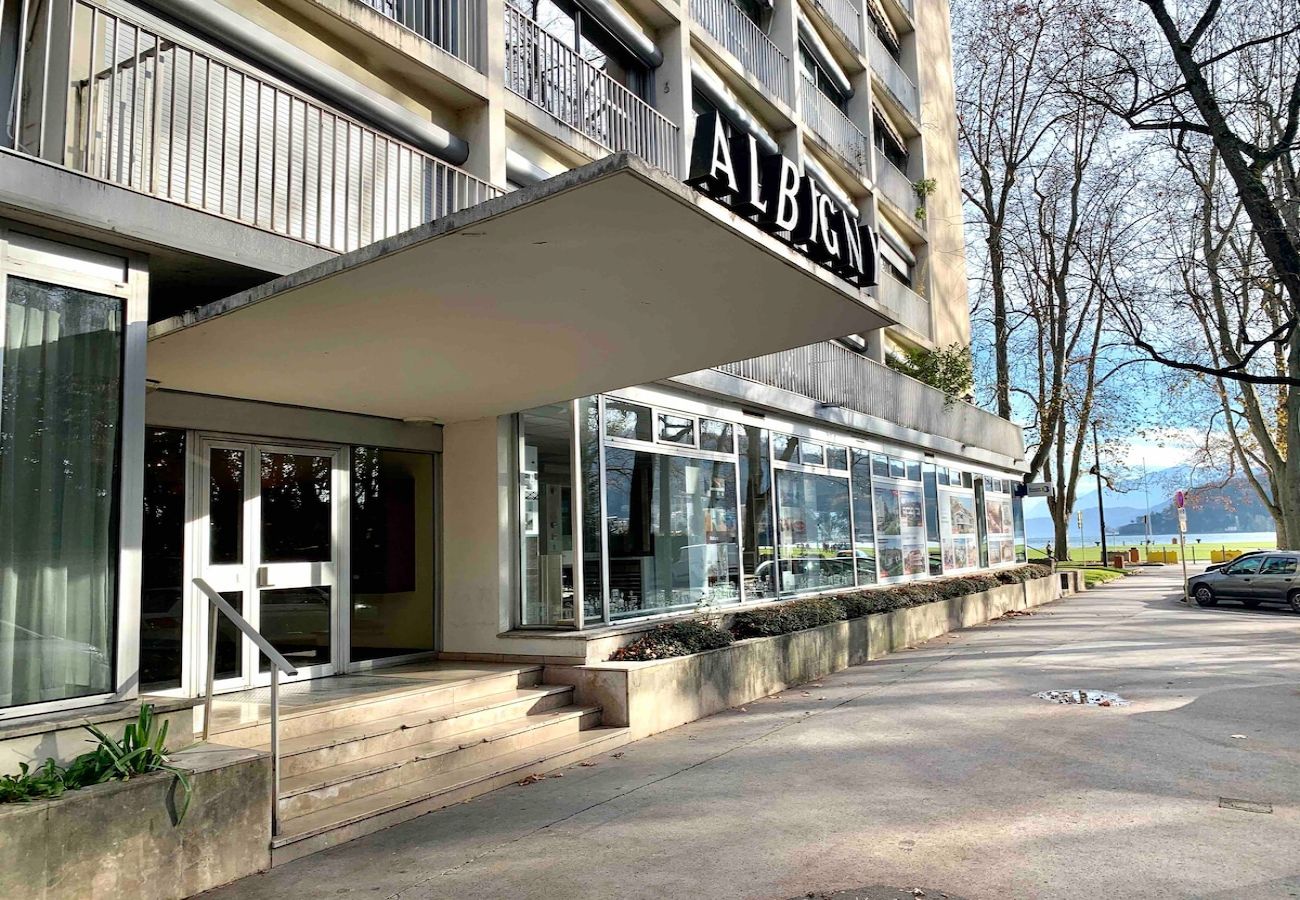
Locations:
(262, 577)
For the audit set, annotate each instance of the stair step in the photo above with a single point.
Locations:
(332, 786)
(315, 831)
(317, 750)
(366, 707)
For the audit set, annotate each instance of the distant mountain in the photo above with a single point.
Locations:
(1210, 509)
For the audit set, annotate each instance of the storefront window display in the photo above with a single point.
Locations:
(900, 520)
(814, 533)
(757, 505)
(999, 522)
(958, 528)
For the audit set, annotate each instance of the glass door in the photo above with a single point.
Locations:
(269, 525)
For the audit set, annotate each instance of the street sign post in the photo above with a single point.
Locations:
(1038, 489)
(1078, 517)
(1180, 501)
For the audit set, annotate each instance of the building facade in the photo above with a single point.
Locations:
(396, 322)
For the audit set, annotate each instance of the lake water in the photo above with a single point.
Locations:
(1262, 539)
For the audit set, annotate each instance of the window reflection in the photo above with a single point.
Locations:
(672, 531)
(814, 531)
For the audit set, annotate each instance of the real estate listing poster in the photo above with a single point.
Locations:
(957, 531)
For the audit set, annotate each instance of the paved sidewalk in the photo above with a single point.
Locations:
(933, 769)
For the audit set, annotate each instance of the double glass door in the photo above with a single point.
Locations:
(269, 527)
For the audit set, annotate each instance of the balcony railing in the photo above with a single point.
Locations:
(550, 74)
(110, 99)
(453, 25)
(904, 304)
(746, 41)
(836, 376)
(902, 88)
(833, 126)
(896, 187)
(847, 18)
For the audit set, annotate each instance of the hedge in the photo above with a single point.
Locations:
(695, 635)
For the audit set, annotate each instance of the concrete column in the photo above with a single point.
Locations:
(479, 569)
(485, 126)
(784, 32)
(672, 85)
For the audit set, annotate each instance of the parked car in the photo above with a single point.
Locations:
(1267, 577)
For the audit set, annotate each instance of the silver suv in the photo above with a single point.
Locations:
(1251, 580)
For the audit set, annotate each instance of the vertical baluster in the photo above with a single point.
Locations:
(90, 88)
(20, 67)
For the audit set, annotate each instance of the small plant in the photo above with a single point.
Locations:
(923, 188)
(949, 369)
(141, 750)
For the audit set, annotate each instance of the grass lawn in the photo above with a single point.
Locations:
(1196, 553)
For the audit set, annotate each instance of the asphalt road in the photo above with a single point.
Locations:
(935, 770)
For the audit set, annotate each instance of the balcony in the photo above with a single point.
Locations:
(844, 15)
(899, 86)
(453, 25)
(109, 99)
(836, 376)
(551, 75)
(897, 188)
(744, 40)
(833, 127)
(908, 307)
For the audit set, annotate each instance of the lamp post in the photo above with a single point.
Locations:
(1101, 508)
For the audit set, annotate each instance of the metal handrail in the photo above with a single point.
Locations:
(166, 119)
(744, 40)
(845, 16)
(897, 82)
(548, 73)
(833, 126)
(218, 603)
(452, 25)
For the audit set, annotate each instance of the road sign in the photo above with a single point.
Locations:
(1078, 517)
(1182, 521)
(1038, 489)
(1180, 500)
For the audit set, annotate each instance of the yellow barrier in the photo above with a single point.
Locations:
(1164, 556)
(1219, 556)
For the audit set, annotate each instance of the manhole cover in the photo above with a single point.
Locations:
(1083, 698)
(1255, 806)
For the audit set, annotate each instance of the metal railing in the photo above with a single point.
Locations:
(218, 603)
(907, 306)
(837, 376)
(108, 98)
(551, 75)
(896, 81)
(833, 126)
(846, 17)
(744, 40)
(896, 187)
(453, 25)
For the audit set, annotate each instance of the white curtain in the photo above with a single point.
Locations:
(59, 436)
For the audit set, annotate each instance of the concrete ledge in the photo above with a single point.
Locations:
(649, 697)
(119, 839)
(61, 735)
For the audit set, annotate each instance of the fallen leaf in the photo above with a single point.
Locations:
(530, 779)
(587, 764)
(618, 755)
(1238, 737)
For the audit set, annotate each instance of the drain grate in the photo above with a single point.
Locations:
(1083, 698)
(1255, 806)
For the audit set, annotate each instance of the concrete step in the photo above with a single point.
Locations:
(321, 789)
(346, 821)
(311, 752)
(296, 723)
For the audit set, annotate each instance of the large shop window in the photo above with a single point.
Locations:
(816, 542)
(392, 553)
(900, 520)
(672, 530)
(958, 533)
(60, 448)
(999, 522)
(162, 558)
(546, 514)
(756, 509)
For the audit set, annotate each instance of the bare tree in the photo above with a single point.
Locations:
(1227, 80)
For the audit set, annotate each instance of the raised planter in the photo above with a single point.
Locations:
(119, 839)
(649, 697)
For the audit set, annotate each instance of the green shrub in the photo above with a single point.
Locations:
(674, 639)
(784, 618)
(141, 750)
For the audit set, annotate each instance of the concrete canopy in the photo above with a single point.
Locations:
(610, 275)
